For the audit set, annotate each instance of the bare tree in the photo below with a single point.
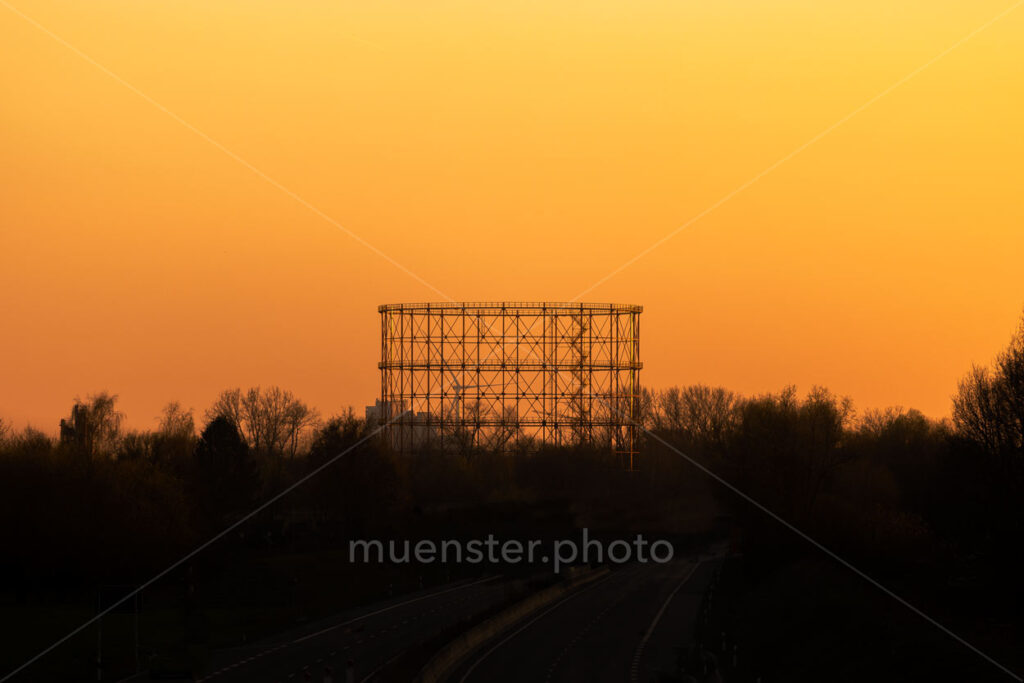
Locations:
(703, 414)
(825, 419)
(976, 409)
(177, 422)
(272, 421)
(1010, 391)
(988, 407)
(94, 426)
(228, 406)
(988, 414)
(299, 420)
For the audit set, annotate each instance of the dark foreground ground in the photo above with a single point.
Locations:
(809, 619)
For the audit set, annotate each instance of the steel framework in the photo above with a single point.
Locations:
(510, 376)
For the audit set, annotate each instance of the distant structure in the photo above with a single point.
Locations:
(510, 376)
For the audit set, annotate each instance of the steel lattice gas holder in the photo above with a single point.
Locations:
(510, 376)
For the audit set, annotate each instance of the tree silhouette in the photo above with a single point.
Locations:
(94, 426)
(272, 421)
(703, 416)
(988, 408)
(226, 472)
(988, 416)
(177, 422)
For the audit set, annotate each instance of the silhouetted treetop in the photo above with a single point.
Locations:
(988, 408)
(272, 421)
(94, 426)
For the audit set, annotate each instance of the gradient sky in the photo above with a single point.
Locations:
(504, 150)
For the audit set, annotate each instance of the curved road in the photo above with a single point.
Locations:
(625, 627)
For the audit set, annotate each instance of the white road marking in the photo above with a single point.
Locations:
(354, 620)
(634, 671)
(528, 624)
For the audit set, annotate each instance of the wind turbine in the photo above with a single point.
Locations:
(456, 406)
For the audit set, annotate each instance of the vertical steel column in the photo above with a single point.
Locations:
(546, 435)
(443, 423)
(519, 341)
(590, 375)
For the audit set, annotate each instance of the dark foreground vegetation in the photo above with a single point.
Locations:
(929, 508)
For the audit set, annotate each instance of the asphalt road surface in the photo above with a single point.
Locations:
(368, 638)
(625, 627)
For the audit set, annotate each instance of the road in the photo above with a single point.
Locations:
(369, 638)
(625, 627)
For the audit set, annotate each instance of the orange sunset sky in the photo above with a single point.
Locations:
(503, 150)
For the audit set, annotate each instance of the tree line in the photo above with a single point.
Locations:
(891, 486)
(104, 503)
